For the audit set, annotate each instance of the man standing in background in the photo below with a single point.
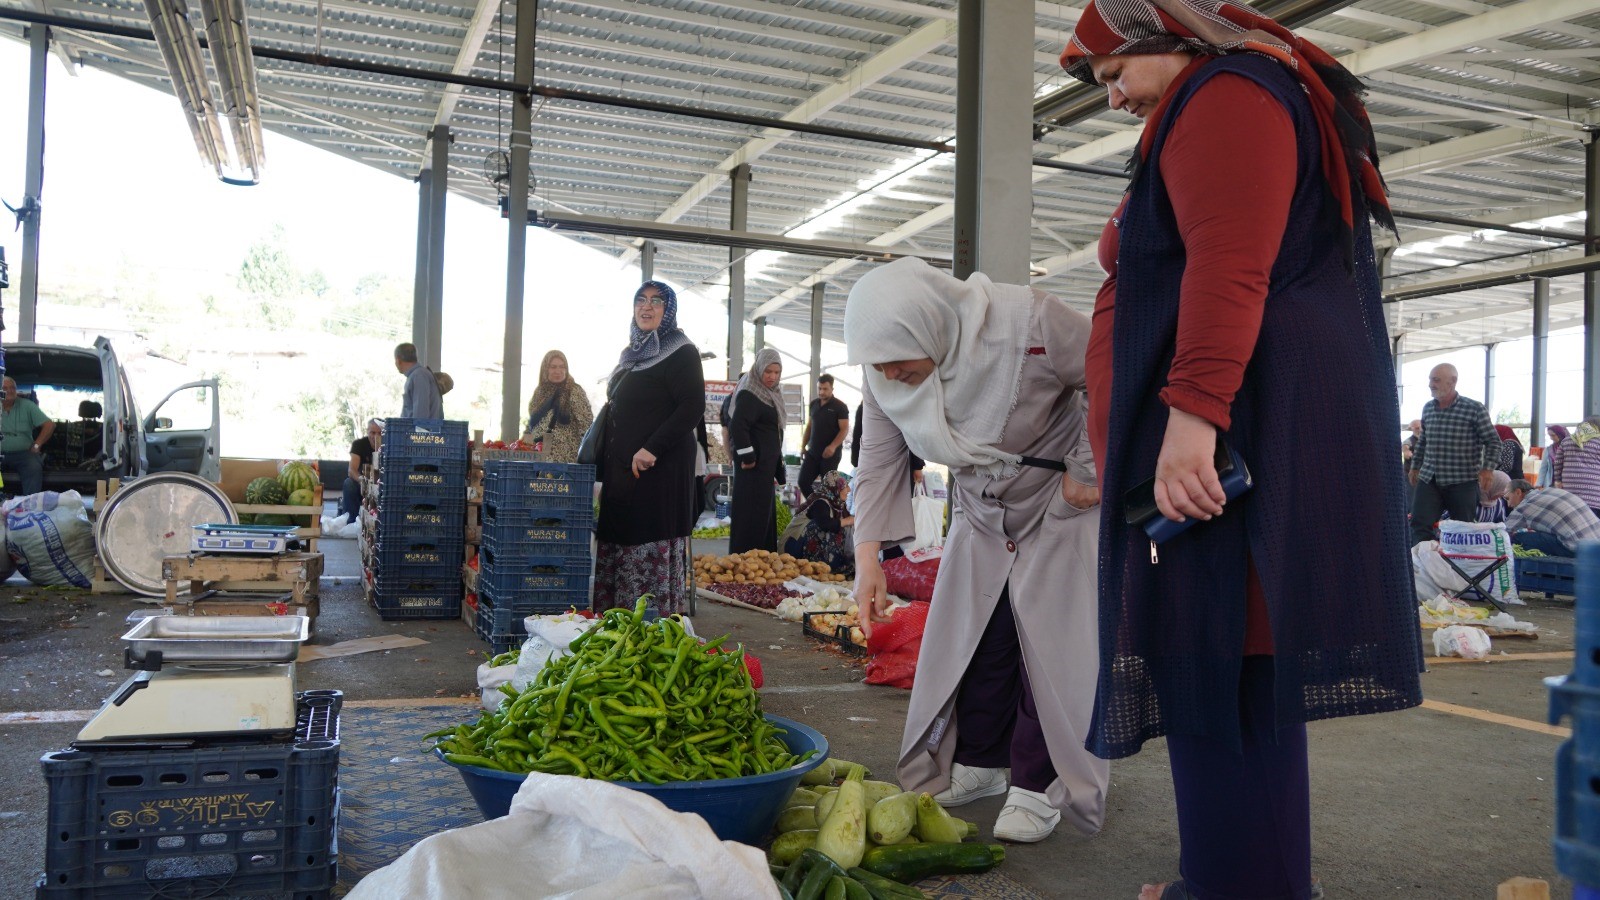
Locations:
(824, 433)
(421, 399)
(1457, 442)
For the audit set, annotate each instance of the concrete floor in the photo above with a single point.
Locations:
(1429, 803)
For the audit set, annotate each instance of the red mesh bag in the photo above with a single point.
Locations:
(911, 580)
(895, 645)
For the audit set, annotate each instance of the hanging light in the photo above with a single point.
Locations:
(229, 42)
(180, 50)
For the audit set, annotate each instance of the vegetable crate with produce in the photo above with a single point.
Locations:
(647, 705)
(757, 577)
(868, 839)
(836, 629)
(421, 485)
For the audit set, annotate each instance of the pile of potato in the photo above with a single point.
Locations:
(758, 567)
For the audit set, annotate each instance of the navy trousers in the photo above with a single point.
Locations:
(997, 724)
(1244, 813)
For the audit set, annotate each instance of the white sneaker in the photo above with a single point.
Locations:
(969, 783)
(1026, 818)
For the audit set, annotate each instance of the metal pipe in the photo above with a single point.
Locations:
(647, 260)
(969, 96)
(1488, 377)
(1591, 281)
(517, 227)
(439, 192)
(419, 282)
(1488, 226)
(1541, 358)
(1577, 266)
(33, 185)
(720, 237)
(738, 218)
(819, 292)
(1080, 168)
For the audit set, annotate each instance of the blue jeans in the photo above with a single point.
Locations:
(29, 467)
(1539, 540)
(350, 501)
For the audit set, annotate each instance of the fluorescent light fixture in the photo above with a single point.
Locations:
(229, 40)
(230, 53)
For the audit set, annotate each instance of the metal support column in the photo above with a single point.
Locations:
(1591, 279)
(994, 139)
(419, 295)
(819, 291)
(1541, 359)
(1488, 378)
(647, 261)
(440, 188)
(738, 220)
(517, 229)
(33, 185)
(761, 333)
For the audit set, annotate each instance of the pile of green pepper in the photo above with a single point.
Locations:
(635, 701)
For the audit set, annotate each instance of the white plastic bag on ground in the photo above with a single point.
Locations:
(49, 537)
(576, 839)
(548, 637)
(1461, 640)
(489, 680)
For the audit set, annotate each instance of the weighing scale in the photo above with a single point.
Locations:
(202, 679)
(226, 537)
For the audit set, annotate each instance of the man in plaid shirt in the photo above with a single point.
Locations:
(1549, 519)
(1455, 456)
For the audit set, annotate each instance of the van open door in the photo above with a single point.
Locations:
(183, 433)
(122, 447)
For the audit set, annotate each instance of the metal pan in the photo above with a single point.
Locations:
(219, 639)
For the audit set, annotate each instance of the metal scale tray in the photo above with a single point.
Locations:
(235, 640)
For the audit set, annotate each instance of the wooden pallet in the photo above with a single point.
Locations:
(297, 573)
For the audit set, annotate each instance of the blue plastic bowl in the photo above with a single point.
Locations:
(737, 809)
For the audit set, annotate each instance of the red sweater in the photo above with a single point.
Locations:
(1229, 166)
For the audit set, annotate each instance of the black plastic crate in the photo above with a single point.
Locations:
(528, 603)
(398, 550)
(508, 576)
(521, 484)
(500, 628)
(399, 597)
(573, 514)
(536, 540)
(218, 820)
(423, 439)
(444, 495)
(837, 636)
(1550, 575)
(424, 471)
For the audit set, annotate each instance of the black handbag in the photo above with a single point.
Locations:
(591, 451)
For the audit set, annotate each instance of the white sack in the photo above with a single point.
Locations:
(49, 537)
(576, 839)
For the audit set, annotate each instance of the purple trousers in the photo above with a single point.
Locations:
(997, 724)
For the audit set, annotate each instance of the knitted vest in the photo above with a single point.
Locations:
(1315, 421)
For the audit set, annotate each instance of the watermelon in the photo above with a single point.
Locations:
(298, 476)
(247, 518)
(303, 497)
(265, 491)
(273, 519)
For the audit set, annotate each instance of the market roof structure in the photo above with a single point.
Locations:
(1483, 110)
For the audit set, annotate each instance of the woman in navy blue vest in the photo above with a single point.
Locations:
(1241, 279)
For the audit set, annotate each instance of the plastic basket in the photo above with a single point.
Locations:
(398, 551)
(445, 495)
(541, 603)
(423, 439)
(515, 483)
(529, 574)
(223, 820)
(500, 628)
(737, 809)
(571, 512)
(562, 540)
(837, 636)
(400, 597)
(1549, 575)
(425, 471)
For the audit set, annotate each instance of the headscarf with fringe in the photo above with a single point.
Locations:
(1216, 27)
(751, 381)
(976, 333)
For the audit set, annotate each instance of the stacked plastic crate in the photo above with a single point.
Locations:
(414, 568)
(536, 557)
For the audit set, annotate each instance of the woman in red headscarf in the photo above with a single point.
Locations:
(1241, 304)
(1510, 452)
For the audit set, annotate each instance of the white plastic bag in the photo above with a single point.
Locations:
(928, 516)
(1461, 640)
(489, 680)
(49, 537)
(548, 638)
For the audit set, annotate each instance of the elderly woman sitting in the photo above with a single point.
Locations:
(827, 534)
(1492, 502)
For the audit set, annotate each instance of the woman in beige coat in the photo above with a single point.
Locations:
(987, 379)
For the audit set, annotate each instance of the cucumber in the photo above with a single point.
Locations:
(855, 890)
(796, 818)
(906, 863)
(883, 889)
(787, 847)
(818, 869)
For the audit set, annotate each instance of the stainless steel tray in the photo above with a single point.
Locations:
(219, 639)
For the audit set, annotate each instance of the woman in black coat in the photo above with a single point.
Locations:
(758, 417)
(648, 490)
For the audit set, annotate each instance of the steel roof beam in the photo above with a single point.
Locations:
(467, 58)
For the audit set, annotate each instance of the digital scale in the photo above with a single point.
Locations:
(200, 679)
(266, 540)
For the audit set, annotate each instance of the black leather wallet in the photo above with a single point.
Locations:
(1139, 502)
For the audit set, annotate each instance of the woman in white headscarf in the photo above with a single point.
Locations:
(987, 379)
(756, 421)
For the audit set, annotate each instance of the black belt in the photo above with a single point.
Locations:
(1037, 463)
